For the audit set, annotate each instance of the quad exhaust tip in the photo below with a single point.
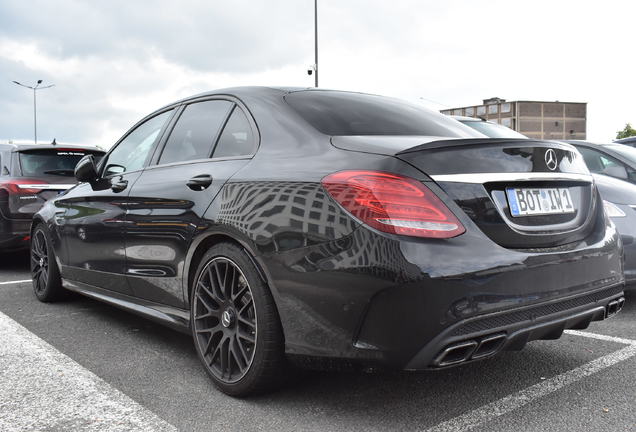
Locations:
(615, 307)
(470, 350)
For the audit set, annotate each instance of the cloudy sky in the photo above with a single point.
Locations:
(113, 62)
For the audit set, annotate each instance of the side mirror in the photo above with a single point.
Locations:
(85, 170)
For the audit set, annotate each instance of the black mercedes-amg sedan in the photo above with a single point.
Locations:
(327, 228)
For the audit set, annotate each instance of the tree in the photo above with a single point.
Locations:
(628, 131)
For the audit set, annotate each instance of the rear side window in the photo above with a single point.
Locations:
(60, 162)
(342, 113)
(194, 134)
(601, 163)
(237, 138)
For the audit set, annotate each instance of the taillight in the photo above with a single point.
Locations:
(392, 203)
(22, 186)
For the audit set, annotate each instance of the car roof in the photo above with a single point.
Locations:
(247, 91)
(626, 140)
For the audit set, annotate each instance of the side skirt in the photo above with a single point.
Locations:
(175, 318)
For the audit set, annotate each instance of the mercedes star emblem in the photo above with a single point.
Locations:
(551, 159)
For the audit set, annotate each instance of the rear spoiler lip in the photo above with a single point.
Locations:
(480, 178)
(454, 142)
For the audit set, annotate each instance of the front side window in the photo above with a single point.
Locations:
(194, 134)
(133, 151)
(237, 138)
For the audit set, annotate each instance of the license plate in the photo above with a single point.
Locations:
(539, 201)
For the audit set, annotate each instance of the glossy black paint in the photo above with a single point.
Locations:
(342, 289)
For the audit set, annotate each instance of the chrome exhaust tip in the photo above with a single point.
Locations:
(489, 346)
(612, 308)
(455, 354)
(621, 303)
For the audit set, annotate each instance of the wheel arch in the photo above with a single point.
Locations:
(205, 241)
(37, 219)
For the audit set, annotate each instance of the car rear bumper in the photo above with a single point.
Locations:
(485, 336)
(381, 300)
(14, 233)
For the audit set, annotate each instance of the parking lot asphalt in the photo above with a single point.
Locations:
(135, 373)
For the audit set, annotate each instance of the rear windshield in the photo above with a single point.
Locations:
(52, 161)
(493, 130)
(342, 113)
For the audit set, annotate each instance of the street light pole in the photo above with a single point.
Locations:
(35, 118)
(316, 41)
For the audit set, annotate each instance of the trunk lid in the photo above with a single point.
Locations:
(494, 181)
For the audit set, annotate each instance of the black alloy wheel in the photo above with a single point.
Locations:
(225, 319)
(45, 274)
(39, 262)
(234, 323)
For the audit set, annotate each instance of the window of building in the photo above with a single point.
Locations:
(237, 138)
(481, 110)
(505, 108)
(194, 134)
(457, 112)
(493, 109)
(470, 111)
(494, 120)
(507, 122)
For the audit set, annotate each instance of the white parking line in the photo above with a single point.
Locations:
(43, 389)
(601, 337)
(486, 413)
(15, 282)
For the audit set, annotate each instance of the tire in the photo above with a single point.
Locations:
(47, 283)
(237, 332)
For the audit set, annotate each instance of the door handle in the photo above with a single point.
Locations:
(119, 185)
(200, 182)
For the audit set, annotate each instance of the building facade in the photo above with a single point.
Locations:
(535, 119)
